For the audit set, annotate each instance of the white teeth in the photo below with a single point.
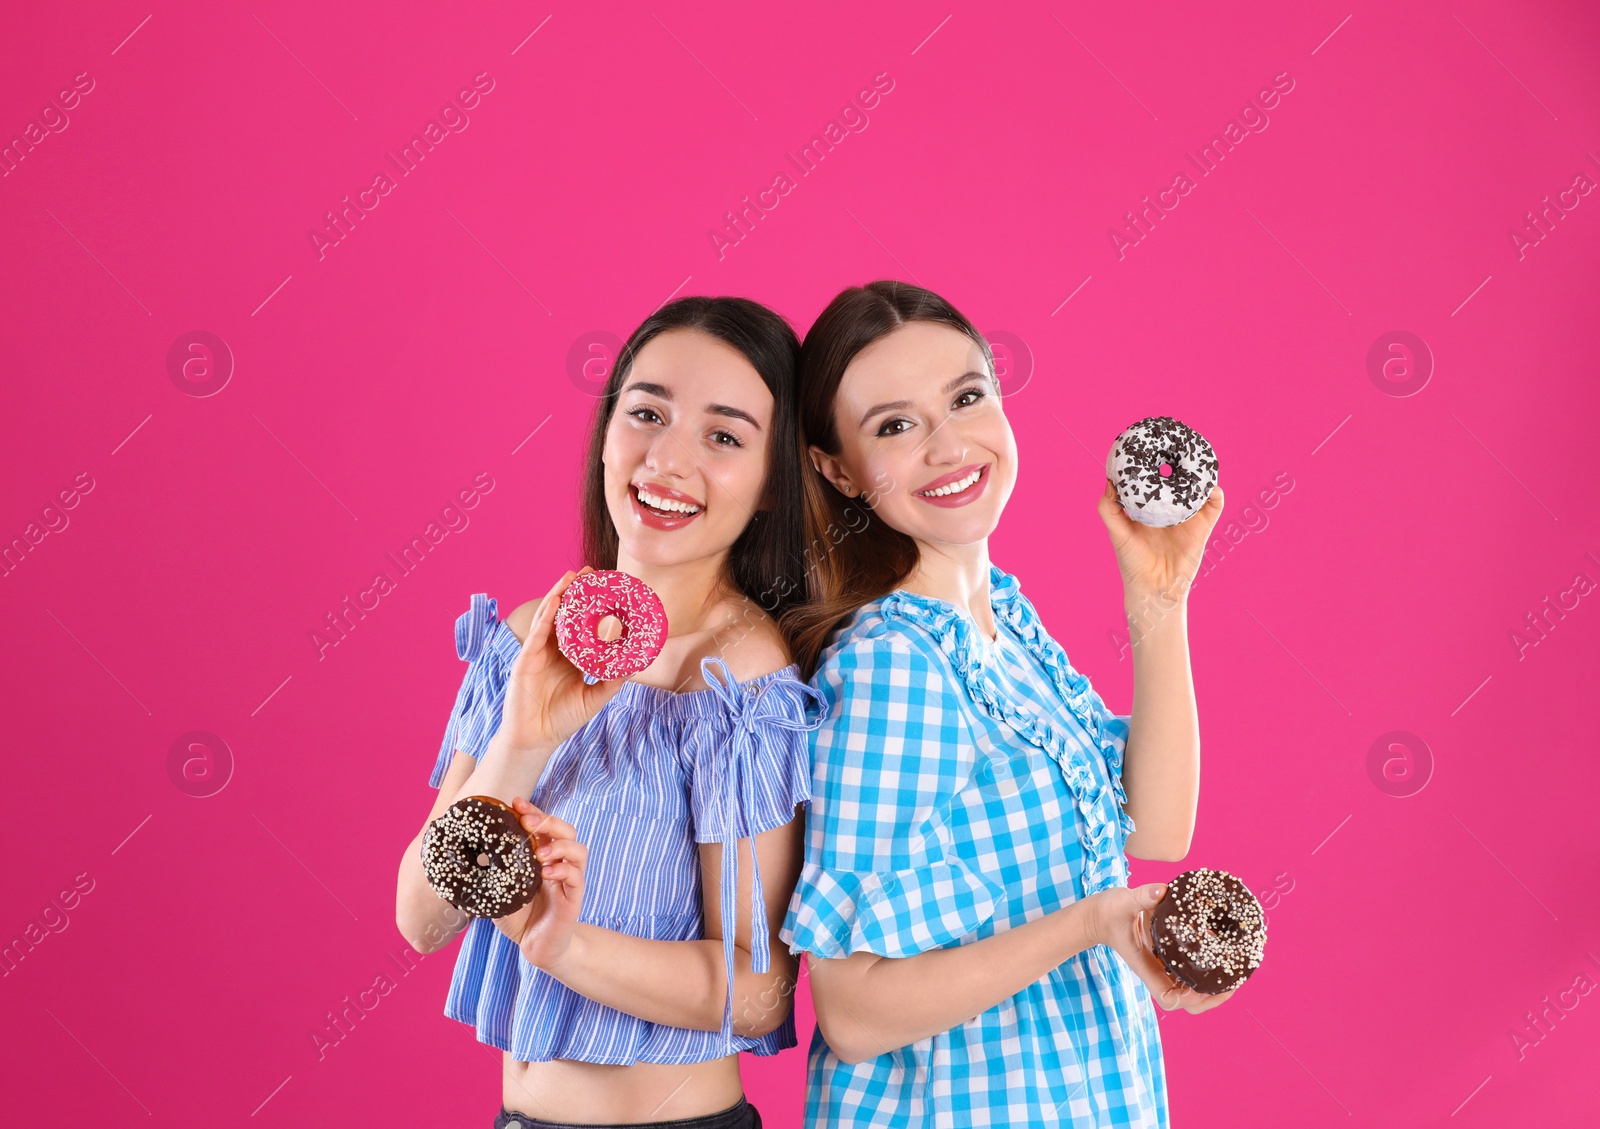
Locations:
(954, 487)
(668, 505)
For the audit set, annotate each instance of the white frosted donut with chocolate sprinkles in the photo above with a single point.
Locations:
(1135, 464)
(591, 598)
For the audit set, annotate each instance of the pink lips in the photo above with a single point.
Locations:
(970, 494)
(656, 520)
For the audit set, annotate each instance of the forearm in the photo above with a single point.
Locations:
(677, 983)
(426, 920)
(868, 1005)
(1161, 764)
(505, 773)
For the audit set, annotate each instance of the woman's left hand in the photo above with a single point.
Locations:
(1159, 561)
(543, 928)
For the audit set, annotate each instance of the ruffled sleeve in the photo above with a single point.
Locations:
(749, 766)
(476, 715)
(881, 873)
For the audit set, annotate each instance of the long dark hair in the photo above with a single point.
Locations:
(854, 557)
(763, 563)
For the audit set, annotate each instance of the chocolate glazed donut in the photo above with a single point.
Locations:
(478, 858)
(1209, 930)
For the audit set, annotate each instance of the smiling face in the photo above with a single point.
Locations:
(686, 449)
(921, 431)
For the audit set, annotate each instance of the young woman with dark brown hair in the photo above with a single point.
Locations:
(664, 804)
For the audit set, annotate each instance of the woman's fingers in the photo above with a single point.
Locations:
(566, 874)
(544, 620)
(526, 810)
(597, 695)
(538, 822)
(1205, 1002)
(564, 851)
(547, 826)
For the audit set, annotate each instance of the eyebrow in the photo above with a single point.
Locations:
(663, 392)
(896, 405)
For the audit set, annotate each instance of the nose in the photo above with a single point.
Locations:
(668, 455)
(945, 445)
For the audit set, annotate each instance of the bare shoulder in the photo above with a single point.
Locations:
(522, 618)
(750, 642)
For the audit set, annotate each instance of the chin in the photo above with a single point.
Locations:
(953, 527)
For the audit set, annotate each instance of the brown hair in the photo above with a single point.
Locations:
(761, 563)
(851, 559)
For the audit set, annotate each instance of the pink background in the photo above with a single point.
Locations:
(1411, 934)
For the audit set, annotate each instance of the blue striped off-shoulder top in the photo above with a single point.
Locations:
(651, 775)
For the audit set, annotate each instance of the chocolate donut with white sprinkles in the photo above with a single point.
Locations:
(478, 858)
(1209, 930)
(1134, 467)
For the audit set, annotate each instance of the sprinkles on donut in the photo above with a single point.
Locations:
(1209, 930)
(1134, 468)
(478, 858)
(591, 598)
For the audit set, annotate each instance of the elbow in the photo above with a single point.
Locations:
(412, 926)
(420, 944)
(1174, 850)
(1159, 848)
(764, 1009)
(429, 932)
(843, 1048)
(416, 938)
(843, 1038)
(759, 1023)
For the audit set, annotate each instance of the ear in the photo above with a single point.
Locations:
(830, 468)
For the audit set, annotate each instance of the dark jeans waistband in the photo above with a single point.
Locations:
(740, 1116)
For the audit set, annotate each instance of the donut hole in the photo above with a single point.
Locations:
(1222, 923)
(609, 629)
(484, 859)
(1165, 470)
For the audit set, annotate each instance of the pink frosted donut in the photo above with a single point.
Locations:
(592, 597)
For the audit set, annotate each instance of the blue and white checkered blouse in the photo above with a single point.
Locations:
(961, 788)
(652, 774)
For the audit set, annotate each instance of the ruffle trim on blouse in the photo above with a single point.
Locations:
(1106, 824)
(894, 913)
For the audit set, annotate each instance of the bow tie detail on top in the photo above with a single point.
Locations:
(752, 707)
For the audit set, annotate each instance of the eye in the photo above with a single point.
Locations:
(976, 394)
(725, 439)
(648, 415)
(893, 426)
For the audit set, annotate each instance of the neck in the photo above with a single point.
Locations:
(958, 574)
(687, 590)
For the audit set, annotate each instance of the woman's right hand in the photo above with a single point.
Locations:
(547, 700)
(1120, 917)
(543, 928)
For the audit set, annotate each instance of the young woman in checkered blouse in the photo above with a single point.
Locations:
(976, 955)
